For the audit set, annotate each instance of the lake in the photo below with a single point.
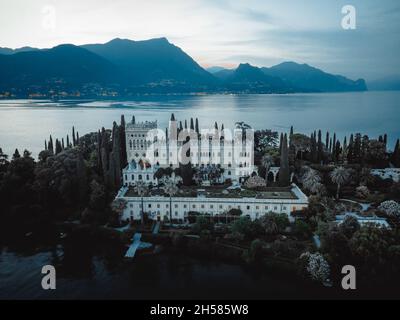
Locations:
(27, 123)
(85, 274)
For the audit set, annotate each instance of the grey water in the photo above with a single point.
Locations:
(25, 124)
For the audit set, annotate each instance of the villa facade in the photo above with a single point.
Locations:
(147, 153)
(158, 207)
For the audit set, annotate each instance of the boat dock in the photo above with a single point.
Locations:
(134, 246)
(156, 227)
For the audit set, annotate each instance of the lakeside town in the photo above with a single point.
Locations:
(305, 204)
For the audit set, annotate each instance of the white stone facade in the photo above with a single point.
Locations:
(235, 159)
(158, 207)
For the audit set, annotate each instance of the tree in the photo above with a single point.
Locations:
(246, 227)
(284, 174)
(396, 155)
(320, 147)
(255, 182)
(300, 143)
(73, 136)
(390, 207)
(362, 192)
(349, 226)
(141, 188)
(16, 155)
(316, 266)
(269, 224)
(170, 188)
(311, 180)
(340, 176)
(3, 158)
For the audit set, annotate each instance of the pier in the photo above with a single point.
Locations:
(134, 246)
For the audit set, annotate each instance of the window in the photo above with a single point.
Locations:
(184, 205)
(176, 206)
(248, 207)
(133, 177)
(194, 206)
(147, 177)
(149, 205)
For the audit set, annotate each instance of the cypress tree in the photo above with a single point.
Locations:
(73, 136)
(191, 124)
(357, 148)
(124, 156)
(327, 140)
(334, 148)
(50, 146)
(320, 147)
(62, 143)
(45, 145)
(284, 174)
(314, 151)
(68, 145)
(396, 154)
(197, 126)
(350, 149)
(58, 146)
(337, 150)
(16, 154)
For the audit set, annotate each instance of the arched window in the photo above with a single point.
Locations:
(140, 177)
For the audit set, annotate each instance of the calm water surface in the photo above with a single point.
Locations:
(84, 275)
(25, 124)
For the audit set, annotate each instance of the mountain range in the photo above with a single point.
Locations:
(124, 67)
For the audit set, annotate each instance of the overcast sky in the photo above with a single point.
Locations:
(221, 32)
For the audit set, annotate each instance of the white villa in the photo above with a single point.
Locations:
(147, 153)
(207, 201)
(207, 198)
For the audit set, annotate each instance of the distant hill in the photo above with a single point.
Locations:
(215, 69)
(307, 78)
(12, 51)
(64, 65)
(150, 61)
(252, 79)
(124, 67)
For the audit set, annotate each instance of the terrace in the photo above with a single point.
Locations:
(221, 192)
